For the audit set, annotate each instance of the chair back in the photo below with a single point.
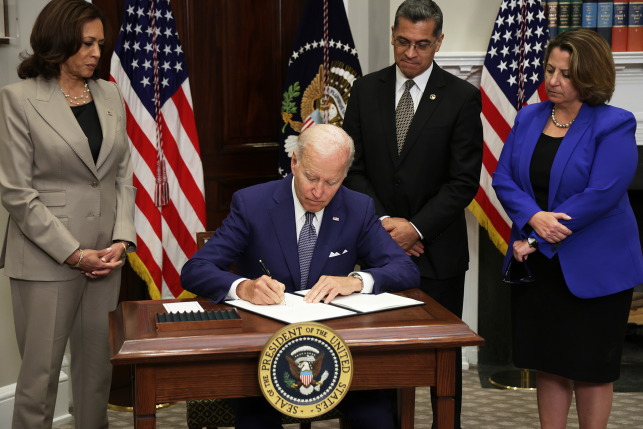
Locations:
(202, 238)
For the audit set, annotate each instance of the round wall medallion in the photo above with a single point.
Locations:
(305, 369)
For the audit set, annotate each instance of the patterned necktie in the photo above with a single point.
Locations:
(306, 246)
(404, 115)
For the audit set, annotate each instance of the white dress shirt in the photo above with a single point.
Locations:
(417, 91)
(300, 220)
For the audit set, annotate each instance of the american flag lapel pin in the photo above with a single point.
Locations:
(109, 112)
(336, 219)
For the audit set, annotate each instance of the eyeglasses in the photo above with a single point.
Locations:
(528, 279)
(404, 44)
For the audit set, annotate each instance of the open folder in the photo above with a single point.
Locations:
(294, 309)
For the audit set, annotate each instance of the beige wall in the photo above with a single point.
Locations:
(27, 11)
(467, 28)
(467, 24)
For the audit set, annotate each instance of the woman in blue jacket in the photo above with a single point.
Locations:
(562, 178)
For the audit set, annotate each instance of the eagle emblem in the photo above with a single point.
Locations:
(305, 365)
(312, 108)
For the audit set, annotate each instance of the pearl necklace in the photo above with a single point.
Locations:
(553, 118)
(72, 100)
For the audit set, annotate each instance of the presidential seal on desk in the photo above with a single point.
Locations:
(305, 369)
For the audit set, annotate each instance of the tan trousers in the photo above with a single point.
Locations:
(46, 314)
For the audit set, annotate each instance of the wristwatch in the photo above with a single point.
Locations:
(357, 276)
(533, 243)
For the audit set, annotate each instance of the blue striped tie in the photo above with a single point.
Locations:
(306, 246)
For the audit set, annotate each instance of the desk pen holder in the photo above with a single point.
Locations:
(228, 318)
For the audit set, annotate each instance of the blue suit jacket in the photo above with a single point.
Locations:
(261, 225)
(592, 170)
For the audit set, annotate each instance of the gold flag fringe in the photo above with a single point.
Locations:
(142, 271)
(484, 221)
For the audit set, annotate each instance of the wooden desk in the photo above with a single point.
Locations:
(403, 348)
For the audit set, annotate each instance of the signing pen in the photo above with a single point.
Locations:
(266, 272)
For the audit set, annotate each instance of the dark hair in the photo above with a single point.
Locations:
(57, 35)
(420, 10)
(591, 65)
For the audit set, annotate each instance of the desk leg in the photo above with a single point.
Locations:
(407, 407)
(144, 394)
(442, 395)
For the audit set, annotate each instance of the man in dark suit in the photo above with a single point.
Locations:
(418, 154)
(277, 222)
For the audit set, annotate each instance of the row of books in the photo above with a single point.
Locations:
(620, 22)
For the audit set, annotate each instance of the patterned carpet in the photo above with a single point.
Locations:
(481, 409)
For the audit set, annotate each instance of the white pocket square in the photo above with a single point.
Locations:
(333, 254)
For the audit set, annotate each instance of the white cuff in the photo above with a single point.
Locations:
(232, 293)
(367, 278)
(419, 233)
(384, 217)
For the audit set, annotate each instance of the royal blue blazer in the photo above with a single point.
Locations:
(261, 225)
(593, 168)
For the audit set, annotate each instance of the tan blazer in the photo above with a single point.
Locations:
(57, 198)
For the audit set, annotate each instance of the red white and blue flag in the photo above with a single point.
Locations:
(512, 77)
(149, 66)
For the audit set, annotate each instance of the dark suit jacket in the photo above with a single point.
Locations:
(593, 168)
(261, 225)
(437, 174)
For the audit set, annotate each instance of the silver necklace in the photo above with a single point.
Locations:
(84, 97)
(553, 118)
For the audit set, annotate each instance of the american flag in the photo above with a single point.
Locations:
(512, 77)
(149, 66)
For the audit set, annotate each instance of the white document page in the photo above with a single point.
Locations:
(293, 310)
(369, 303)
(183, 307)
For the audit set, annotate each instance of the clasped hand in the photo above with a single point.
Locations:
(546, 225)
(98, 263)
(522, 249)
(404, 234)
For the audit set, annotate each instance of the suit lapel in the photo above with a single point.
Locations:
(387, 111)
(51, 105)
(425, 109)
(327, 236)
(567, 146)
(531, 138)
(283, 220)
(107, 117)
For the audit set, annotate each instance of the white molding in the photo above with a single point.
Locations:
(639, 127)
(61, 411)
(470, 304)
(629, 75)
(465, 65)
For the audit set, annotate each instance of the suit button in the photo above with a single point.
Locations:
(554, 248)
(398, 182)
(94, 184)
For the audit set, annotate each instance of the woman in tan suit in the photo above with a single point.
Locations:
(66, 181)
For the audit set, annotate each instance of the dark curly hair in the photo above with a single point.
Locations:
(57, 35)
